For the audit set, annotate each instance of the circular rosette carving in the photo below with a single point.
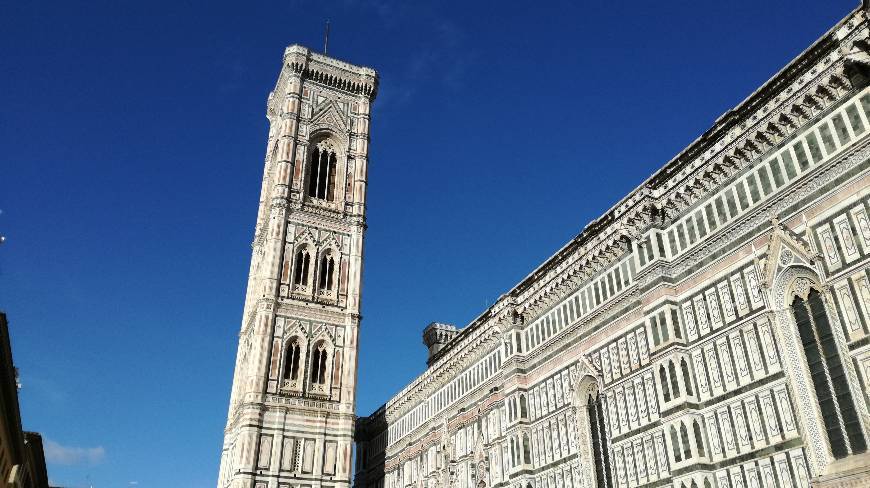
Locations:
(785, 257)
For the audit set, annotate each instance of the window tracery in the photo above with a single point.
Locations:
(319, 368)
(828, 376)
(301, 265)
(675, 386)
(293, 364)
(326, 273)
(675, 445)
(663, 379)
(291, 361)
(684, 440)
(687, 378)
(321, 172)
(699, 439)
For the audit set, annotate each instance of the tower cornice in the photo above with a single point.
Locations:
(332, 72)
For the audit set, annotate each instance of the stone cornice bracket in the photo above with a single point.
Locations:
(730, 164)
(774, 131)
(856, 63)
(764, 138)
(669, 209)
(812, 103)
(751, 147)
(826, 91)
(658, 214)
(507, 315)
(788, 120)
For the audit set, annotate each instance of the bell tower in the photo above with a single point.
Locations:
(292, 405)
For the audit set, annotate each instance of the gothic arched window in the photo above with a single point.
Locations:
(687, 378)
(675, 386)
(318, 364)
(300, 267)
(321, 178)
(291, 360)
(684, 439)
(600, 448)
(327, 270)
(663, 378)
(699, 441)
(527, 453)
(675, 318)
(675, 445)
(524, 407)
(828, 376)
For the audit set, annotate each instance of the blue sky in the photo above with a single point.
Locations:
(133, 134)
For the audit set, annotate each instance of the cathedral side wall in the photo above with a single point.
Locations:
(667, 347)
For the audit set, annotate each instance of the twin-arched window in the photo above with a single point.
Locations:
(321, 178)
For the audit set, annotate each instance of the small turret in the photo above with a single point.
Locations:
(435, 336)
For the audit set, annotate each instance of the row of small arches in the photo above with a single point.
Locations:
(680, 442)
(520, 448)
(670, 382)
(518, 408)
(338, 82)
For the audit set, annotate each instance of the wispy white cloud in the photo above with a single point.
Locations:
(56, 453)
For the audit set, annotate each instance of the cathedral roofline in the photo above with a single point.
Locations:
(731, 118)
(665, 193)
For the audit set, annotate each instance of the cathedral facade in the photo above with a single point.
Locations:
(710, 330)
(291, 414)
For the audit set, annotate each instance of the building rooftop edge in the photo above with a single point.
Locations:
(327, 59)
(733, 117)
